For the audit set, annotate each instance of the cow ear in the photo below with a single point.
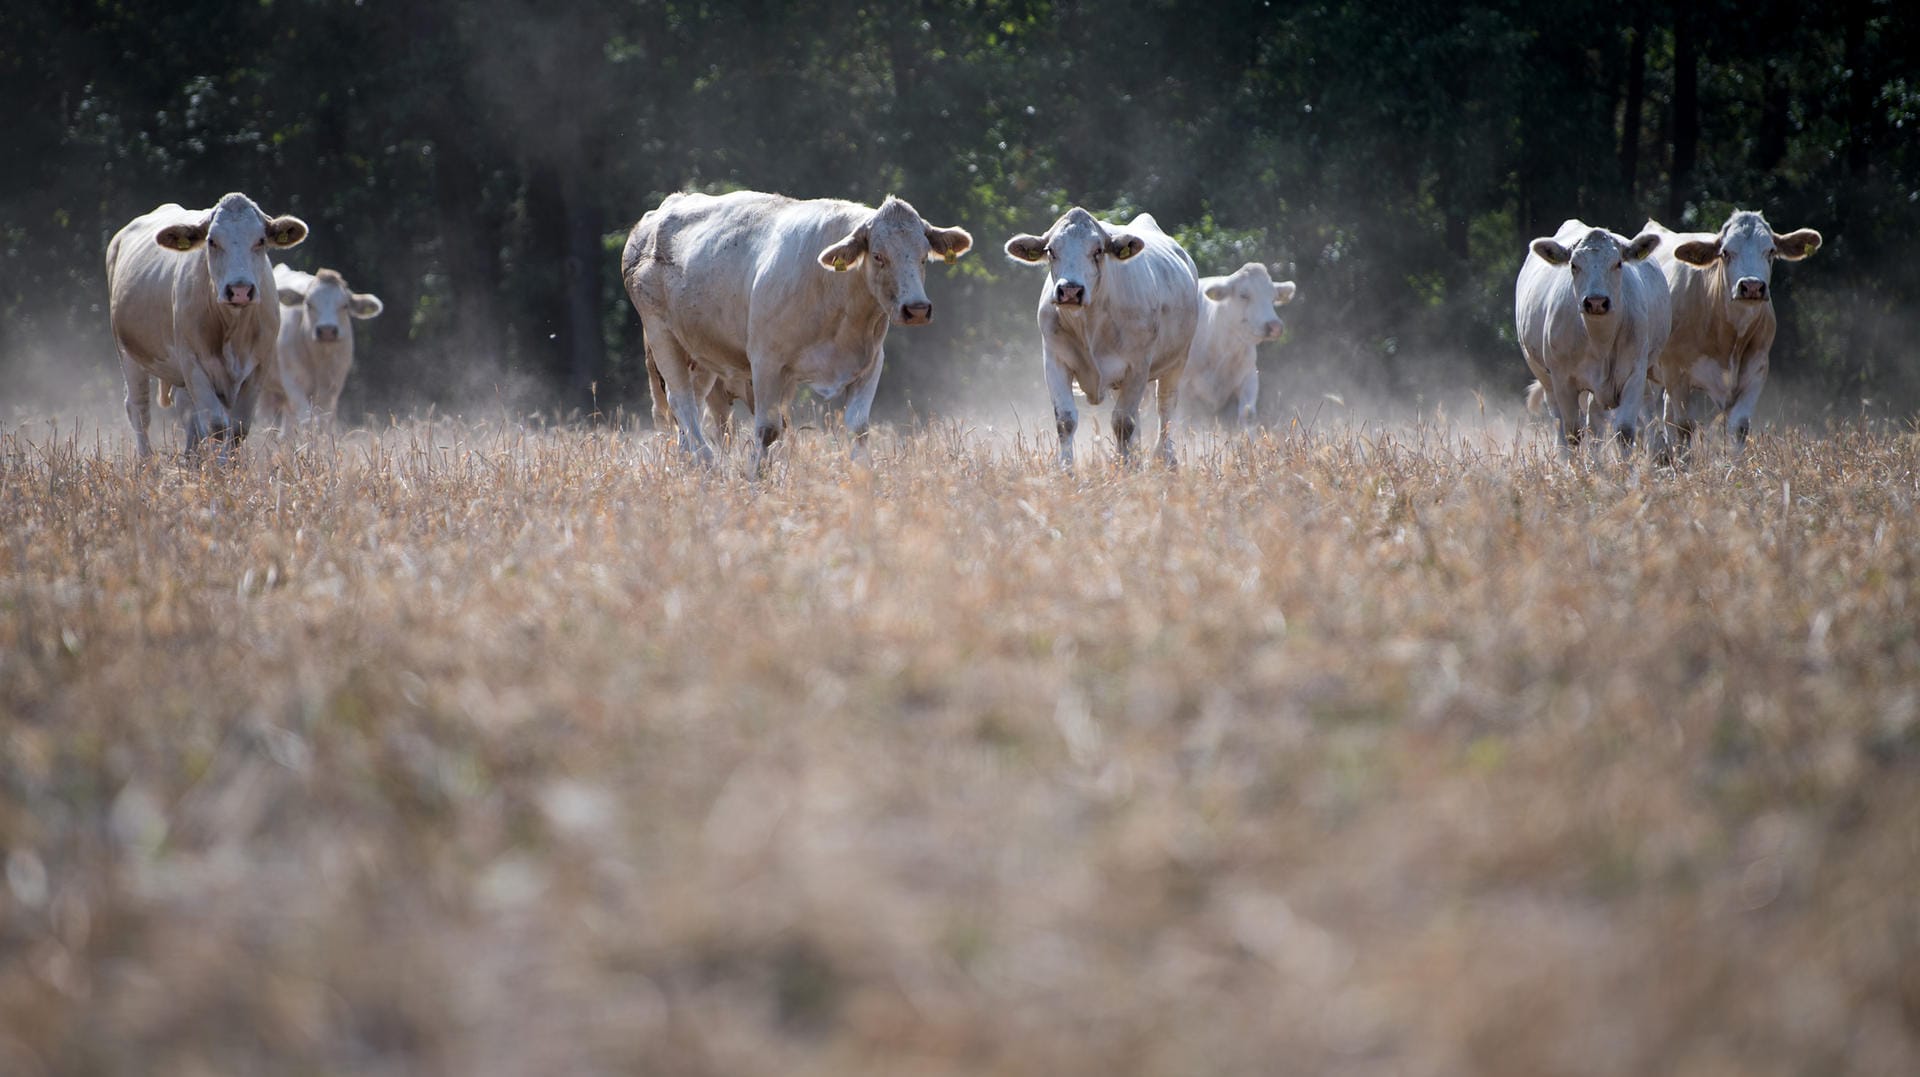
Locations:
(1698, 252)
(1124, 245)
(847, 253)
(1642, 245)
(182, 237)
(284, 232)
(949, 243)
(1797, 245)
(365, 305)
(1283, 293)
(292, 297)
(1216, 291)
(1025, 248)
(1552, 251)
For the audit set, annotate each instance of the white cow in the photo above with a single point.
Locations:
(758, 293)
(197, 322)
(1590, 312)
(316, 342)
(1236, 316)
(1723, 322)
(1117, 311)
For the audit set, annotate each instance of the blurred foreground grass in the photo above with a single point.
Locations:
(467, 750)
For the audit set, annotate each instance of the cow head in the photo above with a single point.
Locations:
(891, 248)
(1595, 263)
(236, 235)
(1075, 250)
(1745, 251)
(329, 303)
(1248, 298)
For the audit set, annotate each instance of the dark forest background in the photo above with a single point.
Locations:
(477, 165)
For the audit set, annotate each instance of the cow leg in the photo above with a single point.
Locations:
(1627, 417)
(208, 417)
(656, 387)
(1066, 417)
(1740, 412)
(1566, 401)
(769, 382)
(719, 409)
(1169, 395)
(1126, 416)
(1679, 422)
(139, 402)
(860, 405)
(677, 376)
(1249, 397)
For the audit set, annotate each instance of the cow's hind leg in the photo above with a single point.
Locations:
(139, 402)
(677, 377)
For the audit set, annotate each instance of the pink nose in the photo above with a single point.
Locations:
(326, 332)
(1751, 288)
(916, 313)
(239, 294)
(1068, 294)
(1596, 304)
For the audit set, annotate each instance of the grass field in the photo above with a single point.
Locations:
(463, 749)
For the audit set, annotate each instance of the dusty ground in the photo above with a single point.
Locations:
(461, 749)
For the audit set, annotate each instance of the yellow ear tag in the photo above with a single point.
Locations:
(182, 243)
(948, 257)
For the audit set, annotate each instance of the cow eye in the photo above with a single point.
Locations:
(880, 259)
(1617, 265)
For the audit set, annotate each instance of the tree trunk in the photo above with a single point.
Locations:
(1686, 114)
(1636, 101)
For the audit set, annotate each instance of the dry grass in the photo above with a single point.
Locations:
(465, 750)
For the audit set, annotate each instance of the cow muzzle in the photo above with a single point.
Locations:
(239, 293)
(1272, 330)
(1596, 304)
(1069, 294)
(326, 334)
(1752, 289)
(916, 313)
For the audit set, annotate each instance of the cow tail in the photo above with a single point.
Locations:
(1536, 399)
(166, 393)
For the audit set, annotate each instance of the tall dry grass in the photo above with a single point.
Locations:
(462, 749)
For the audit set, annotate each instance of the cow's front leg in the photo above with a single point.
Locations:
(1627, 417)
(1066, 417)
(860, 404)
(1679, 422)
(1566, 401)
(769, 392)
(1740, 412)
(1126, 415)
(1169, 396)
(139, 403)
(207, 416)
(1249, 398)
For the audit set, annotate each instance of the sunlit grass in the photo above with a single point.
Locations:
(459, 747)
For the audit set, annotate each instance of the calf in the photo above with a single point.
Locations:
(1236, 317)
(316, 342)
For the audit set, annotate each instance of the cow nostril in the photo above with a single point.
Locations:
(917, 312)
